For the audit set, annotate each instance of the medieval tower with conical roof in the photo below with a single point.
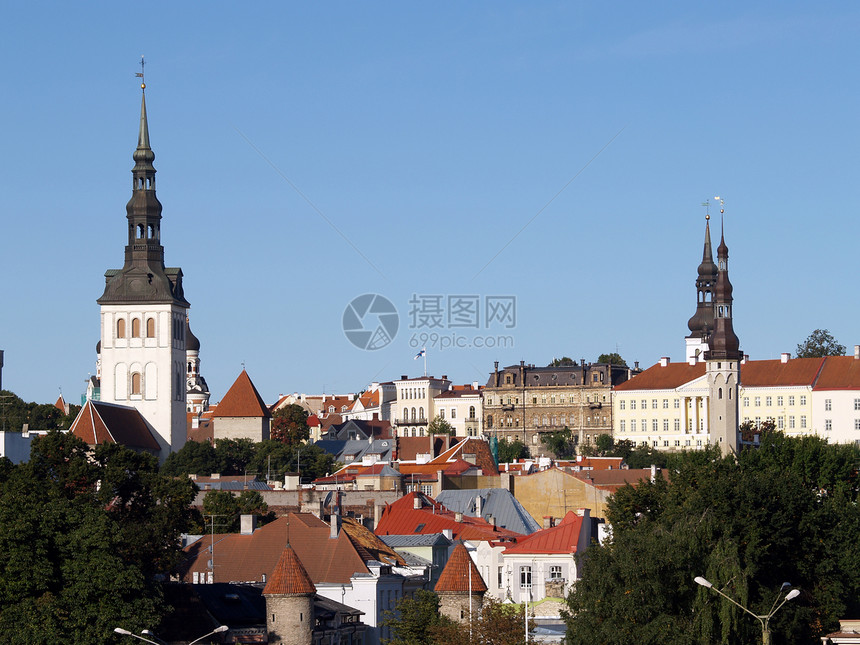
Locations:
(723, 360)
(702, 322)
(143, 314)
(289, 595)
(460, 587)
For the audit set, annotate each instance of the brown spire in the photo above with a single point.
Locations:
(703, 319)
(455, 576)
(724, 343)
(289, 576)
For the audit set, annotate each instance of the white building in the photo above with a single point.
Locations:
(462, 407)
(415, 406)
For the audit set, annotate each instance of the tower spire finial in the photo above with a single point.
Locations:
(143, 136)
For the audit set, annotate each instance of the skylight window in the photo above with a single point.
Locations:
(419, 528)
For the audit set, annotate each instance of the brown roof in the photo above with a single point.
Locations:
(99, 422)
(368, 544)
(408, 448)
(457, 574)
(658, 377)
(289, 576)
(247, 558)
(839, 373)
(613, 479)
(775, 373)
(242, 400)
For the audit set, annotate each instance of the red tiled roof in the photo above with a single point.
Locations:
(203, 432)
(614, 479)
(775, 373)
(408, 448)
(247, 558)
(61, 404)
(478, 447)
(561, 538)
(242, 400)
(401, 518)
(839, 373)
(673, 375)
(289, 576)
(591, 463)
(457, 574)
(99, 422)
(459, 391)
(313, 421)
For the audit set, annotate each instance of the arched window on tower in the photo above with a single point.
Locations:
(720, 393)
(120, 328)
(135, 383)
(150, 327)
(135, 327)
(150, 231)
(140, 231)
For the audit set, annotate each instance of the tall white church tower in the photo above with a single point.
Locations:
(143, 315)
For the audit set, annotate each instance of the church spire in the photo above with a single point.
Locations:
(703, 320)
(724, 343)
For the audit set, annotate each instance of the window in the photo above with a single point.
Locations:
(621, 426)
(677, 425)
(632, 425)
(545, 420)
(768, 401)
(552, 399)
(746, 402)
(677, 442)
(555, 572)
(490, 400)
(525, 577)
(791, 423)
(501, 577)
(442, 413)
(857, 424)
(791, 400)
(644, 404)
(507, 379)
(677, 403)
(828, 404)
(453, 413)
(665, 443)
(621, 404)
(135, 383)
(135, 327)
(857, 404)
(803, 421)
(427, 489)
(654, 425)
(758, 401)
(779, 401)
(665, 404)
(120, 328)
(150, 327)
(471, 411)
(564, 419)
(803, 400)
(656, 443)
(543, 399)
(665, 425)
(632, 405)
(561, 399)
(780, 423)
(654, 404)
(828, 425)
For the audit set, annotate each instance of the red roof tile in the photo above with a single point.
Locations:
(775, 373)
(100, 422)
(839, 373)
(561, 538)
(658, 377)
(242, 400)
(457, 573)
(613, 479)
(289, 576)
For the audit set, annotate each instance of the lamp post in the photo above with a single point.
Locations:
(125, 632)
(764, 619)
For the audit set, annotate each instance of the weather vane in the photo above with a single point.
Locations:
(707, 205)
(722, 204)
(140, 73)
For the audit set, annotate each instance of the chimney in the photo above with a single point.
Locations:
(417, 502)
(475, 385)
(334, 519)
(377, 514)
(444, 377)
(496, 374)
(635, 365)
(548, 522)
(376, 416)
(458, 516)
(478, 506)
(664, 361)
(653, 473)
(783, 358)
(692, 360)
(492, 520)
(745, 359)
(403, 377)
(583, 512)
(448, 533)
(248, 524)
(195, 421)
(856, 352)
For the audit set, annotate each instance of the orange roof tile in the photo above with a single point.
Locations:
(459, 572)
(658, 377)
(242, 400)
(613, 479)
(775, 373)
(561, 538)
(839, 373)
(289, 576)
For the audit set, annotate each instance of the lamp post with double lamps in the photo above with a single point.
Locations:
(764, 619)
(125, 632)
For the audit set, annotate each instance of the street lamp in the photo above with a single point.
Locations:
(125, 632)
(765, 619)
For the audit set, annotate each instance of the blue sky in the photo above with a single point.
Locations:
(289, 137)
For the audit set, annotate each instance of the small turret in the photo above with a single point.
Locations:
(289, 595)
(460, 587)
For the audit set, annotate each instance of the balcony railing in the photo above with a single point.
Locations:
(421, 421)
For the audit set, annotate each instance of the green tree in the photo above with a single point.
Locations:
(511, 450)
(413, 619)
(274, 458)
(234, 455)
(604, 444)
(227, 509)
(439, 426)
(613, 359)
(818, 344)
(564, 361)
(290, 424)
(786, 511)
(560, 442)
(194, 458)
(83, 535)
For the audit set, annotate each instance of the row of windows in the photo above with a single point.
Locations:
(122, 328)
(676, 404)
(780, 422)
(622, 425)
(413, 393)
(768, 402)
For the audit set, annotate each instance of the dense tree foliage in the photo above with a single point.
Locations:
(226, 457)
(416, 621)
(564, 361)
(613, 359)
(784, 512)
(439, 426)
(15, 412)
(560, 443)
(226, 509)
(290, 424)
(83, 534)
(820, 343)
(511, 450)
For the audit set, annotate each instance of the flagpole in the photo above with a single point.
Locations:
(425, 362)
